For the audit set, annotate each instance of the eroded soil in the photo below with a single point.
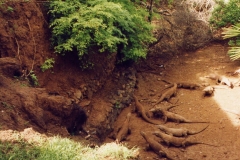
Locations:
(28, 116)
(223, 129)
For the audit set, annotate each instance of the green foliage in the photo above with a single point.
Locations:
(5, 7)
(170, 2)
(1, 3)
(10, 9)
(7, 106)
(233, 33)
(117, 105)
(226, 14)
(56, 148)
(112, 26)
(17, 151)
(23, 85)
(33, 78)
(47, 64)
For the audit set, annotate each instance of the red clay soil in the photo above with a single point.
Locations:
(25, 37)
(223, 130)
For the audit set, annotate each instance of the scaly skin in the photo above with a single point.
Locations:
(208, 91)
(155, 146)
(140, 109)
(176, 117)
(124, 130)
(179, 132)
(187, 85)
(158, 108)
(168, 94)
(176, 141)
(221, 80)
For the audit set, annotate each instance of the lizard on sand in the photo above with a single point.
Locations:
(208, 91)
(124, 130)
(156, 147)
(179, 132)
(141, 111)
(157, 113)
(221, 80)
(187, 85)
(175, 117)
(168, 94)
(176, 141)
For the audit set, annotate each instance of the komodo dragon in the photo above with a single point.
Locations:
(141, 111)
(168, 94)
(156, 147)
(208, 91)
(175, 117)
(221, 80)
(124, 130)
(176, 141)
(179, 132)
(167, 108)
(187, 85)
(157, 113)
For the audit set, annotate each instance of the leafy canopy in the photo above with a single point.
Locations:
(225, 15)
(81, 25)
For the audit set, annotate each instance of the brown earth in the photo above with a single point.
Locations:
(192, 67)
(46, 108)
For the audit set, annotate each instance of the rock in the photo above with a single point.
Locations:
(89, 93)
(77, 94)
(84, 103)
(35, 114)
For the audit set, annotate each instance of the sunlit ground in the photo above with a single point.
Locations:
(29, 144)
(229, 102)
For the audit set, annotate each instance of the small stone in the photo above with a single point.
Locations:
(85, 103)
(78, 94)
(204, 155)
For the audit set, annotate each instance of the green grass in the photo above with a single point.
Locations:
(57, 148)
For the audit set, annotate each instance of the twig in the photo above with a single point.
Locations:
(42, 14)
(233, 112)
(18, 50)
(35, 49)
(154, 43)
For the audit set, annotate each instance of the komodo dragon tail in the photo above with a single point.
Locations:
(196, 132)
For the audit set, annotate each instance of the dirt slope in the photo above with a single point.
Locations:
(25, 37)
(192, 67)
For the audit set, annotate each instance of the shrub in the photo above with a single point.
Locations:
(33, 78)
(80, 25)
(47, 64)
(226, 14)
(234, 34)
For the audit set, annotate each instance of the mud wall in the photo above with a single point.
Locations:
(102, 92)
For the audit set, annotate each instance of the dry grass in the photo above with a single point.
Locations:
(32, 145)
(201, 8)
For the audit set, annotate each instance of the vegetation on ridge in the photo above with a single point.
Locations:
(80, 26)
(226, 15)
(61, 149)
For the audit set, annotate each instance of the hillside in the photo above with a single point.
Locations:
(186, 53)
